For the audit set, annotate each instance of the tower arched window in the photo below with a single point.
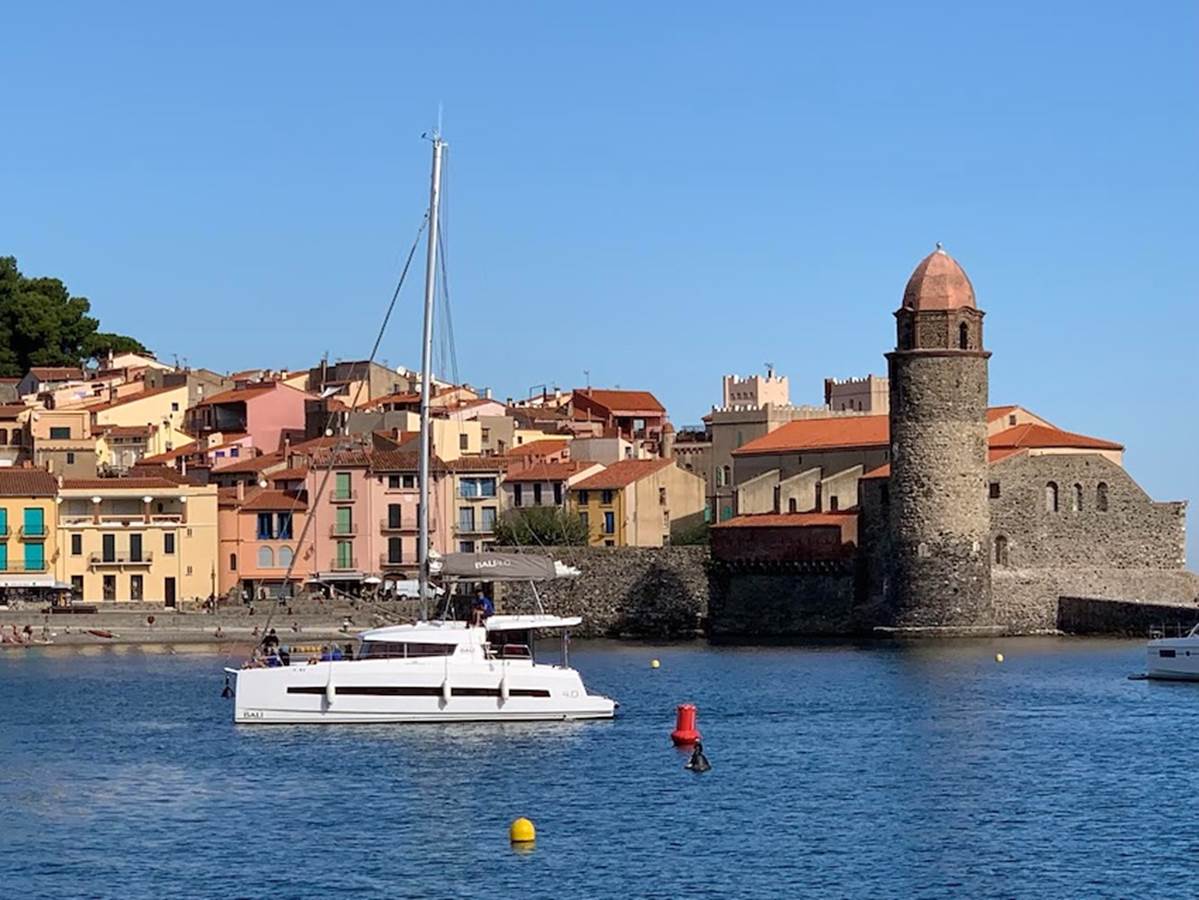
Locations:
(964, 336)
(266, 558)
(1051, 497)
(1001, 551)
(1076, 500)
(1101, 496)
(285, 557)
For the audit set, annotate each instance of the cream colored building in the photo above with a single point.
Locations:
(756, 390)
(137, 539)
(161, 407)
(638, 503)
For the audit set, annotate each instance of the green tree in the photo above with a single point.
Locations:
(537, 525)
(41, 324)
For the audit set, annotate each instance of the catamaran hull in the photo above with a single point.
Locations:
(351, 693)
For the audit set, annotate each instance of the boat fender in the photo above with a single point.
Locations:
(504, 692)
(330, 691)
(446, 691)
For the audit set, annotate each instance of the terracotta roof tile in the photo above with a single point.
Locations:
(254, 464)
(266, 499)
(621, 474)
(617, 401)
(938, 282)
(559, 471)
(11, 410)
(1041, 436)
(83, 484)
(17, 481)
(55, 373)
(789, 520)
(833, 433)
(133, 398)
(544, 446)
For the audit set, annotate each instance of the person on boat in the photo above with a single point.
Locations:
(270, 641)
(482, 608)
(326, 656)
(284, 656)
(335, 653)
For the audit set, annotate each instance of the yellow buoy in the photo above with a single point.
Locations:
(653, 664)
(998, 657)
(521, 831)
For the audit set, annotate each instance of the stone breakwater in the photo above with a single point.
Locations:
(636, 592)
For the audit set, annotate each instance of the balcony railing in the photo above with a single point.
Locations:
(343, 530)
(18, 566)
(344, 564)
(33, 533)
(336, 496)
(154, 519)
(405, 524)
(386, 562)
(120, 559)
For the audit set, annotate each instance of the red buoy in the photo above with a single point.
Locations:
(684, 727)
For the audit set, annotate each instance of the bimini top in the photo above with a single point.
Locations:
(525, 623)
(495, 567)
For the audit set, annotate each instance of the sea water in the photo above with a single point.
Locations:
(896, 770)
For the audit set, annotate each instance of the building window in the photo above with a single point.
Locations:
(476, 487)
(234, 452)
(409, 481)
(1101, 496)
(517, 494)
(466, 546)
(963, 336)
(584, 498)
(609, 523)
(833, 503)
(345, 555)
(175, 406)
(394, 515)
(341, 486)
(136, 588)
(266, 558)
(719, 477)
(466, 518)
(393, 482)
(70, 457)
(395, 550)
(1001, 551)
(661, 496)
(463, 442)
(77, 545)
(168, 543)
(537, 494)
(557, 493)
(994, 490)
(266, 526)
(285, 557)
(792, 505)
(59, 433)
(1011, 420)
(609, 543)
(283, 526)
(1076, 499)
(1051, 499)
(76, 587)
(232, 562)
(606, 498)
(488, 518)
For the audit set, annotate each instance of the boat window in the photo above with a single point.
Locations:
(1169, 654)
(402, 650)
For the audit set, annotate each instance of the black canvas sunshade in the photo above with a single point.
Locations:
(497, 566)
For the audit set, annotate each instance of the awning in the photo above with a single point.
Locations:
(33, 581)
(496, 566)
(338, 576)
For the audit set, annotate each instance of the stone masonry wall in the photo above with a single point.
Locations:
(658, 592)
(782, 602)
(939, 519)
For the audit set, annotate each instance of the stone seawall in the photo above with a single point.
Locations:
(781, 601)
(1090, 615)
(653, 592)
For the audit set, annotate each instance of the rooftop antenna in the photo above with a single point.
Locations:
(587, 376)
(769, 370)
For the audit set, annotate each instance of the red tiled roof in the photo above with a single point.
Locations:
(559, 471)
(995, 413)
(296, 473)
(617, 401)
(254, 464)
(266, 499)
(994, 455)
(621, 474)
(790, 520)
(55, 373)
(541, 446)
(16, 481)
(1041, 436)
(833, 433)
(117, 483)
(126, 430)
(131, 398)
(11, 410)
(398, 397)
(237, 394)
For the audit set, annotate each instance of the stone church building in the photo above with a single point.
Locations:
(947, 514)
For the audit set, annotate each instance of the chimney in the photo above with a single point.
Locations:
(241, 491)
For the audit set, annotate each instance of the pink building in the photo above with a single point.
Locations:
(263, 411)
(259, 533)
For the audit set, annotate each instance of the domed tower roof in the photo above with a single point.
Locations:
(938, 283)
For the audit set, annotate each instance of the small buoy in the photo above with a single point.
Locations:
(998, 657)
(654, 664)
(521, 831)
(505, 693)
(685, 732)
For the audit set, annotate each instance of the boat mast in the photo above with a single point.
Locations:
(426, 378)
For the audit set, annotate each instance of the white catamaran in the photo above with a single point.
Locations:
(439, 670)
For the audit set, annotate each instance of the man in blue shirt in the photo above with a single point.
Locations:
(483, 607)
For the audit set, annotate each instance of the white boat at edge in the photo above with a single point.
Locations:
(439, 671)
(1174, 658)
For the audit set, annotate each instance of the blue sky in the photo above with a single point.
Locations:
(656, 193)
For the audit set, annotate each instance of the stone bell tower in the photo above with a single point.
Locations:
(940, 522)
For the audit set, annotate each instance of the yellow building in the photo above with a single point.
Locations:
(137, 539)
(27, 533)
(163, 407)
(638, 502)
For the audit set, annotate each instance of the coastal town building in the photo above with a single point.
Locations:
(634, 416)
(28, 548)
(638, 503)
(544, 483)
(137, 539)
(16, 439)
(259, 554)
(264, 411)
(755, 390)
(870, 395)
(47, 378)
